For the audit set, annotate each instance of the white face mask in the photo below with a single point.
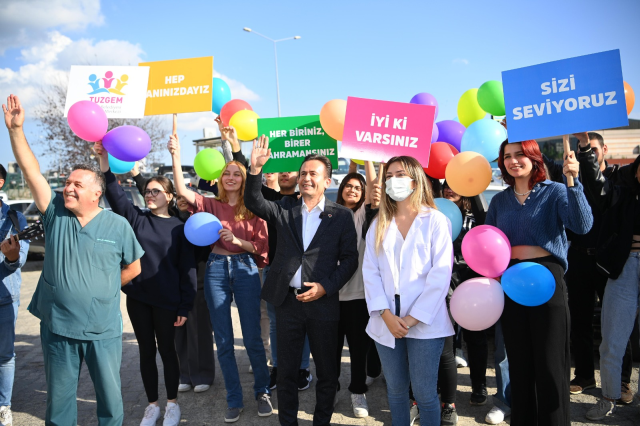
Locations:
(399, 188)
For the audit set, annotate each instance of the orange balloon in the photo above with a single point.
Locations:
(332, 118)
(468, 174)
(629, 97)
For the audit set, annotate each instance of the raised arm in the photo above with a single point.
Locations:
(253, 198)
(14, 119)
(118, 200)
(178, 179)
(138, 179)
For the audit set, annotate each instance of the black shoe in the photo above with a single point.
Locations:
(304, 379)
(273, 377)
(478, 396)
(448, 415)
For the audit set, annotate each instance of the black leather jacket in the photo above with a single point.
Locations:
(619, 206)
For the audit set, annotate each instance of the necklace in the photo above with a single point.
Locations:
(522, 195)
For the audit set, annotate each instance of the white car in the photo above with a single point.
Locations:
(492, 190)
(18, 205)
(4, 196)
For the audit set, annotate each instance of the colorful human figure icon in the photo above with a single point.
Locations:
(120, 83)
(94, 82)
(108, 79)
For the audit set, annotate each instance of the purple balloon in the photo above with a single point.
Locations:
(435, 133)
(127, 143)
(425, 99)
(451, 132)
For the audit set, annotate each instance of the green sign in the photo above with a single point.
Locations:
(293, 138)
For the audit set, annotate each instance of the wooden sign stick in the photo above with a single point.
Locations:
(567, 149)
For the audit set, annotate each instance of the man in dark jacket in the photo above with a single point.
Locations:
(316, 256)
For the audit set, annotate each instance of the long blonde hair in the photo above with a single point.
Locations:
(241, 211)
(421, 196)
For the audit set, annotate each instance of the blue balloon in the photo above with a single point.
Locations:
(119, 167)
(528, 283)
(201, 229)
(484, 137)
(221, 94)
(450, 210)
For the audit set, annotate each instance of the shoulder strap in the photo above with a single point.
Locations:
(14, 219)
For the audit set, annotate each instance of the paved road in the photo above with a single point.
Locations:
(208, 408)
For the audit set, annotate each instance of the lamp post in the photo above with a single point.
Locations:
(275, 52)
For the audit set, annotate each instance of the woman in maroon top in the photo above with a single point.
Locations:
(232, 275)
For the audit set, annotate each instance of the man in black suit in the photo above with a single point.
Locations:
(316, 256)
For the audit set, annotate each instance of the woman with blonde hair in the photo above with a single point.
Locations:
(232, 275)
(407, 269)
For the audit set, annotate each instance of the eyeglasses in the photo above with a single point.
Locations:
(154, 192)
(355, 188)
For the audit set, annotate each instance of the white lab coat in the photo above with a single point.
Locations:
(423, 277)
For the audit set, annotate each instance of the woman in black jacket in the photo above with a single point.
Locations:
(617, 256)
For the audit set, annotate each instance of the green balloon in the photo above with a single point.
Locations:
(491, 98)
(209, 164)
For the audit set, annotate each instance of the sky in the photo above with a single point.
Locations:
(372, 49)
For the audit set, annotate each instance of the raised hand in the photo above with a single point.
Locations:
(571, 167)
(260, 154)
(174, 145)
(103, 156)
(227, 133)
(583, 138)
(13, 113)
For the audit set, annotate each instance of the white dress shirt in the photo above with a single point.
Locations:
(420, 274)
(310, 223)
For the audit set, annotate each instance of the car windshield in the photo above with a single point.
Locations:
(343, 166)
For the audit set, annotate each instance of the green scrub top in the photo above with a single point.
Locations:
(78, 294)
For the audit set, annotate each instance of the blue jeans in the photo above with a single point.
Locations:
(412, 361)
(271, 310)
(502, 399)
(8, 316)
(619, 307)
(236, 278)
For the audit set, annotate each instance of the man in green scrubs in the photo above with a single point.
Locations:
(91, 253)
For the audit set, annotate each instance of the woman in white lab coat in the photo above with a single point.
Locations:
(407, 270)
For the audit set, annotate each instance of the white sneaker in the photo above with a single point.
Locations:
(6, 418)
(601, 409)
(495, 416)
(414, 414)
(461, 362)
(171, 414)
(360, 406)
(183, 387)
(151, 415)
(201, 388)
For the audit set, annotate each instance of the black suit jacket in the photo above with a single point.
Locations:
(330, 259)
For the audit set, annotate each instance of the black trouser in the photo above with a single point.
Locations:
(583, 283)
(194, 345)
(448, 373)
(477, 348)
(293, 325)
(354, 317)
(537, 341)
(151, 324)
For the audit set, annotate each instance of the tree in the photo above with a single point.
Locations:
(67, 149)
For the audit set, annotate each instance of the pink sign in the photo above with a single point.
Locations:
(378, 130)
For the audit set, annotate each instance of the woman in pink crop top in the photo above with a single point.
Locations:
(232, 275)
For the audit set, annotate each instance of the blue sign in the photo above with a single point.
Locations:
(563, 97)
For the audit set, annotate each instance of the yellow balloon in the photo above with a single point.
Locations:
(468, 174)
(469, 110)
(360, 162)
(246, 124)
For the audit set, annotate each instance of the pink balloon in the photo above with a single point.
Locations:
(477, 304)
(88, 121)
(487, 250)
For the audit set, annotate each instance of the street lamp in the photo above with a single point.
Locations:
(275, 51)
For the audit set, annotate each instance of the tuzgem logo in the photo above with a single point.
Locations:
(107, 84)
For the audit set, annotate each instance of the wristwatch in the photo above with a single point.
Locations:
(382, 311)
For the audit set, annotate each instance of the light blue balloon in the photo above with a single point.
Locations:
(484, 137)
(450, 210)
(528, 283)
(221, 94)
(119, 167)
(201, 229)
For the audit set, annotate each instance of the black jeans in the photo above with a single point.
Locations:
(583, 283)
(537, 341)
(354, 317)
(448, 373)
(151, 323)
(477, 349)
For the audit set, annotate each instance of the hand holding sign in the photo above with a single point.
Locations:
(571, 167)
(260, 154)
(174, 146)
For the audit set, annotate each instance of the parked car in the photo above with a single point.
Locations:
(18, 205)
(491, 191)
(32, 215)
(4, 196)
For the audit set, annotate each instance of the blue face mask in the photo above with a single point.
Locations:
(399, 188)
